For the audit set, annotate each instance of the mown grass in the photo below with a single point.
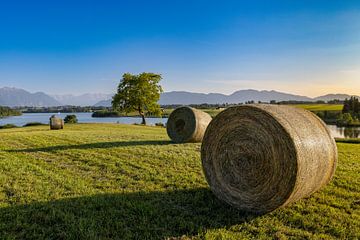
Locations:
(111, 181)
(320, 107)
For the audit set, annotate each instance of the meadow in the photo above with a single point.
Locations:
(320, 107)
(113, 181)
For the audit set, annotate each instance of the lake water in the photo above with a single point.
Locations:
(82, 118)
(338, 132)
(344, 132)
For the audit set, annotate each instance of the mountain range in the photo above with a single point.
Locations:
(13, 97)
(88, 99)
(241, 96)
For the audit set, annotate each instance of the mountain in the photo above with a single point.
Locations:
(14, 97)
(103, 103)
(185, 98)
(18, 97)
(329, 97)
(237, 97)
(87, 99)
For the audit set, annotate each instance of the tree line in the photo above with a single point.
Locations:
(352, 106)
(6, 112)
(350, 112)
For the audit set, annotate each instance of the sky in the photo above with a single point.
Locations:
(73, 47)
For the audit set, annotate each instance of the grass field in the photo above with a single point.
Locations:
(109, 181)
(320, 107)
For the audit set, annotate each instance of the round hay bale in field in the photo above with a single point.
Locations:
(258, 158)
(186, 124)
(56, 123)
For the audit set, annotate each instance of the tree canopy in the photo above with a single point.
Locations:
(139, 93)
(352, 106)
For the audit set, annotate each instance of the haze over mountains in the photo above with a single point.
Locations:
(241, 96)
(13, 97)
(88, 99)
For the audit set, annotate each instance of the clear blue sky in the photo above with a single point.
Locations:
(304, 47)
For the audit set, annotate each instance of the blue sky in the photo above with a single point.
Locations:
(303, 47)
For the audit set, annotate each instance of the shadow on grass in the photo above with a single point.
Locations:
(93, 145)
(155, 215)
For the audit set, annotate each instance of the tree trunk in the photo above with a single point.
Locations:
(142, 116)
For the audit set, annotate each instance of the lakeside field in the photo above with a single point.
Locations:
(320, 107)
(112, 181)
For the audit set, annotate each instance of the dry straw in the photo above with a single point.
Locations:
(56, 123)
(186, 124)
(262, 157)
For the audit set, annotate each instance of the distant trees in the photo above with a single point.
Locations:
(335, 101)
(139, 93)
(272, 101)
(6, 112)
(350, 112)
(352, 106)
(345, 119)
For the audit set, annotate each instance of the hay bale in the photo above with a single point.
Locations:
(186, 124)
(56, 123)
(258, 158)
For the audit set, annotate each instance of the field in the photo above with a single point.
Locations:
(112, 181)
(320, 107)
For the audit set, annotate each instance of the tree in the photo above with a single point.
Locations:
(139, 93)
(352, 106)
(70, 119)
(346, 107)
(344, 119)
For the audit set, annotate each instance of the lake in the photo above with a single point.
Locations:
(338, 132)
(82, 118)
(344, 132)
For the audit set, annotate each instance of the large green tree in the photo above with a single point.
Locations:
(352, 106)
(139, 93)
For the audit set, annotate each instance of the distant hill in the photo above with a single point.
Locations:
(182, 97)
(104, 103)
(88, 99)
(14, 97)
(237, 97)
(329, 97)
(18, 97)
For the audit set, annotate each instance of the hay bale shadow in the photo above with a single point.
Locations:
(93, 145)
(154, 215)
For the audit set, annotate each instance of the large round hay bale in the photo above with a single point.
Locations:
(262, 157)
(186, 124)
(56, 123)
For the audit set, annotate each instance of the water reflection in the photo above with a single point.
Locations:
(344, 132)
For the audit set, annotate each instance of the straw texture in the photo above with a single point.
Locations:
(186, 124)
(262, 157)
(56, 123)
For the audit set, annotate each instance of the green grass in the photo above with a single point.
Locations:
(111, 181)
(320, 107)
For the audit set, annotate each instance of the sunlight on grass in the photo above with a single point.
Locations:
(124, 181)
